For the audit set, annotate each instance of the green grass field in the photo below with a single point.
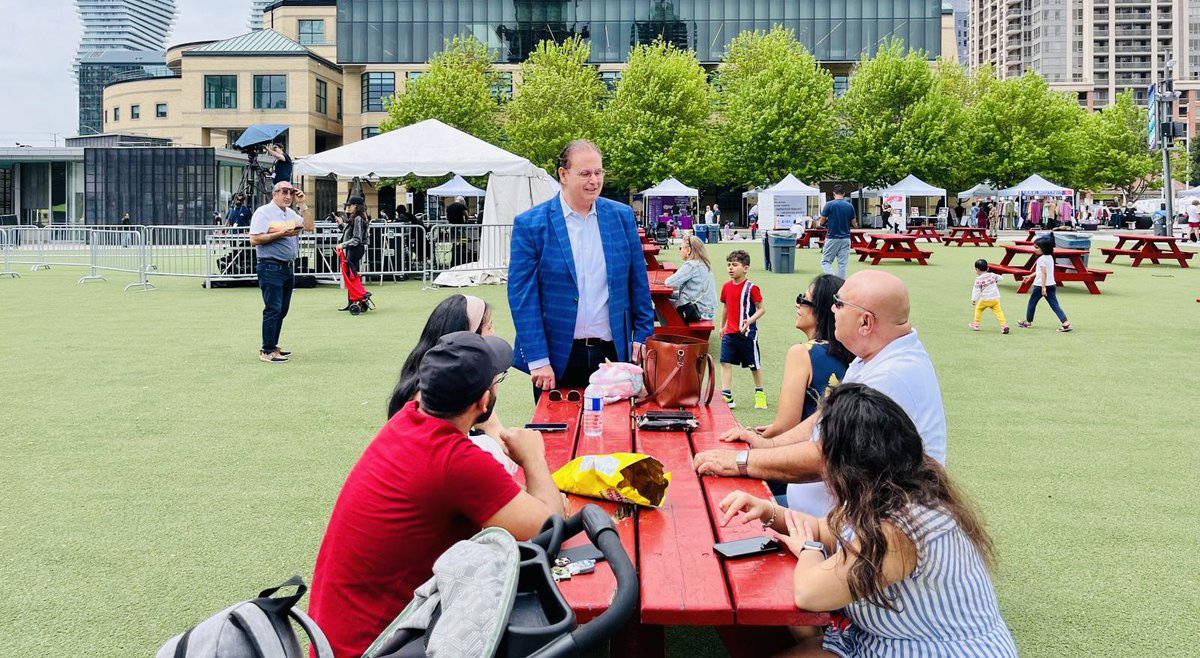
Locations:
(154, 471)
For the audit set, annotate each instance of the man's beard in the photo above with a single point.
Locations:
(487, 414)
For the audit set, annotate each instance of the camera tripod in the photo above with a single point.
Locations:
(255, 184)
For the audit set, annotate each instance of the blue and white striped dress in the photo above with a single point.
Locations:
(947, 606)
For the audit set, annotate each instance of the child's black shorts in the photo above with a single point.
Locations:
(741, 350)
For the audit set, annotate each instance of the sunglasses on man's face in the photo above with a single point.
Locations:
(840, 304)
(573, 395)
(499, 378)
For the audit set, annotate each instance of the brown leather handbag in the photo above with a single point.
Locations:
(674, 370)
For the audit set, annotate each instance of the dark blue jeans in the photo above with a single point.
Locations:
(1051, 298)
(275, 280)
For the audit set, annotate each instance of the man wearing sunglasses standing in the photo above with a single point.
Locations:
(577, 281)
(871, 318)
(274, 232)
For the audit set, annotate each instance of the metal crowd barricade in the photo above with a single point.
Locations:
(395, 252)
(6, 247)
(117, 250)
(468, 248)
(42, 247)
(213, 253)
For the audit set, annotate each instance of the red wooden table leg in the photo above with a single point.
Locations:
(755, 641)
(638, 640)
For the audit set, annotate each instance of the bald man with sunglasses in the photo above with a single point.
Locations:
(871, 314)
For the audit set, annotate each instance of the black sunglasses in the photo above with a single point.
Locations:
(841, 303)
(805, 301)
(573, 395)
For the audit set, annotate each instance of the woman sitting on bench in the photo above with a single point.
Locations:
(695, 293)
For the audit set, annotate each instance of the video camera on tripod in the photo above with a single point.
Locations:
(256, 184)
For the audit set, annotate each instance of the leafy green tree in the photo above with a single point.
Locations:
(933, 135)
(657, 123)
(559, 100)
(775, 105)
(1021, 127)
(1112, 150)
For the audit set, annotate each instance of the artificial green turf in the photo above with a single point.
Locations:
(154, 471)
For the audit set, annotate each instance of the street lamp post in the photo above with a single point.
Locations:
(1166, 96)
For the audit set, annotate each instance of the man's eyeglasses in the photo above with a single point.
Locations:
(573, 395)
(588, 173)
(499, 378)
(841, 303)
(801, 300)
(286, 190)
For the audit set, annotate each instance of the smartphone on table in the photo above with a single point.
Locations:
(746, 547)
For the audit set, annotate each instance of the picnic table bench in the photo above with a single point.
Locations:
(1075, 270)
(683, 582)
(961, 235)
(858, 237)
(650, 253)
(1147, 247)
(809, 234)
(670, 321)
(892, 245)
(927, 231)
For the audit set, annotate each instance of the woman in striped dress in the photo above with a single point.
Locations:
(908, 569)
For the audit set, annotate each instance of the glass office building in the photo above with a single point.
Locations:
(411, 31)
(97, 69)
(154, 185)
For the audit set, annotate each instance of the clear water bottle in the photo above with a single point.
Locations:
(593, 410)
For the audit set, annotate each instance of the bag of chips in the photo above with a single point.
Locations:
(623, 477)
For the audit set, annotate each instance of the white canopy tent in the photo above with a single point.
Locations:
(897, 196)
(456, 186)
(432, 148)
(670, 188)
(982, 189)
(1036, 186)
(1193, 191)
(785, 204)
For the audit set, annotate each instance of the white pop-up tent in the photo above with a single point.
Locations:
(784, 203)
(1036, 186)
(432, 148)
(897, 196)
(1193, 191)
(456, 186)
(982, 189)
(672, 189)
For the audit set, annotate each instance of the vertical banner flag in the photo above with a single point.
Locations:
(1152, 108)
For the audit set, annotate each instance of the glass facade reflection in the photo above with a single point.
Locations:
(154, 185)
(411, 31)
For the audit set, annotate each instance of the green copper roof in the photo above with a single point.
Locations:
(258, 42)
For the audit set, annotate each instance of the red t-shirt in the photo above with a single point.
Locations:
(419, 487)
(732, 296)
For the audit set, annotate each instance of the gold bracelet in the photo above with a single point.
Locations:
(771, 521)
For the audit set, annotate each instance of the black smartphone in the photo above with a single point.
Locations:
(746, 547)
(583, 552)
(547, 427)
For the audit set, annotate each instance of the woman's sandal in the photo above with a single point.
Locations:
(1024, 324)
(1065, 328)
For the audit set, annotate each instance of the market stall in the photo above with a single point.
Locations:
(671, 199)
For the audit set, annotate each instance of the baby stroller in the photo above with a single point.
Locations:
(359, 296)
(537, 621)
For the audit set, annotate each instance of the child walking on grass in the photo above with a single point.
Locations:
(985, 294)
(1044, 285)
(743, 306)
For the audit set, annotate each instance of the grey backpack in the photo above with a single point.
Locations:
(258, 628)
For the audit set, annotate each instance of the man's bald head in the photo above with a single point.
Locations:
(882, 292)
(873, 312)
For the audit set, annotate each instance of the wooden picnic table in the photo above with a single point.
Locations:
(809, 233)
(927, 231)
(650, 252)
(1147, 247)
(858, 237)
(892, 245)
(1076, 270)
(670, 321)
(683, 582)
(961, 235)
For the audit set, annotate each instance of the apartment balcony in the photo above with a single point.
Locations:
(1137, 3)
(1132, 32)
(1100, 31)
(1128, 49)
(1133, 66)
(1133, 16)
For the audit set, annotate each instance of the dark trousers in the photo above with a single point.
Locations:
(276, 281)
(766, 253)
(1051, 298)
(584, 360)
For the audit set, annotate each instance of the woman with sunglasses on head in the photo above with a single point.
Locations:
(695, 293)
(908, 556)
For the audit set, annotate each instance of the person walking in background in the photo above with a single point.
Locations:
(695, 293)
(716, 215)
(973, 219)
(993, 222)
(353, 246)
(456, 213)
(1044, 285)
(1193, 220)
(985, 294)
(743, 306)
(708, 215)
(838, 218)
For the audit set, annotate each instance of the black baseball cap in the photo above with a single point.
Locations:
(459, 368)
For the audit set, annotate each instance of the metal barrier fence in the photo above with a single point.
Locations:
(225, 254)
(5, 253)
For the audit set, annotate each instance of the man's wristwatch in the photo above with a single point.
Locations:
(812, 545)
(742, 459)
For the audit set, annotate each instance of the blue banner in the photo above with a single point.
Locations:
(1152, 108)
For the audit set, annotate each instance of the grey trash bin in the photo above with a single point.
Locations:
(1160, 226)
(1073, 241)
(783, 251)
(714, 234)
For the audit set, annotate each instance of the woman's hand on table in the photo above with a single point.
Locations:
(799, 530)
(744, 508)
(745, 435)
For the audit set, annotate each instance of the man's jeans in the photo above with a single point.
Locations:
(838, 248)
(276, 280)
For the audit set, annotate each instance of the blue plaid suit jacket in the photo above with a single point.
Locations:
(542, 287)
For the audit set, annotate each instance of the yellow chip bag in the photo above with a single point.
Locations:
(623, 477)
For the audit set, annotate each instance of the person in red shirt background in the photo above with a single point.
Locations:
(743, 306)
(421, 486)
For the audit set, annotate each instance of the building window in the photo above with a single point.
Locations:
(135, 111)
(502, 85)
(270, 92)
(610, 79)
(220, 92)
(105, 116)
(841, 83)
(322, 97)
(312, 32)
(375, 88)
(413, 75)
(116, 114)
(160, 111)
(369, 132)
(339, 103)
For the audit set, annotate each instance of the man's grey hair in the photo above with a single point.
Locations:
(459, 199)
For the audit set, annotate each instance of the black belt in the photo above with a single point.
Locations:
(592, 342)
(276, 260)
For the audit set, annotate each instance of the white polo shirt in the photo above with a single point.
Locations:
(903, 371)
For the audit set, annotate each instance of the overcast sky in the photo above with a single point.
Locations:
(38, 48)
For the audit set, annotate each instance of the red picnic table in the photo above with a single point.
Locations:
(683, 582)
(650, 252)
(858, 237)
(961, 235)
(892, 245)
(1147, 247)
(1074, 270)
(671, 321)
(809, 234)
(927, 231)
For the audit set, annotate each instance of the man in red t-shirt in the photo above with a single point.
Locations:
(421, 486)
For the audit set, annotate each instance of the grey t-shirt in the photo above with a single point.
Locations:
(270, 218)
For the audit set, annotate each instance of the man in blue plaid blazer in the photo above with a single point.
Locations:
(577, 283)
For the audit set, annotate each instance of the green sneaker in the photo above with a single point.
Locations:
(760, 399)
(729, 399)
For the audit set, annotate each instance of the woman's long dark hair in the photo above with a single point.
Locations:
(877, 469)
(825, 287)
(447, 317)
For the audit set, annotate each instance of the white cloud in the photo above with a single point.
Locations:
(37, 52)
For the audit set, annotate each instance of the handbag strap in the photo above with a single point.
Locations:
(712, 379)
(679, 353)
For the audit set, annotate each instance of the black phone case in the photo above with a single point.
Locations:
(584, 552)
(748, 547)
